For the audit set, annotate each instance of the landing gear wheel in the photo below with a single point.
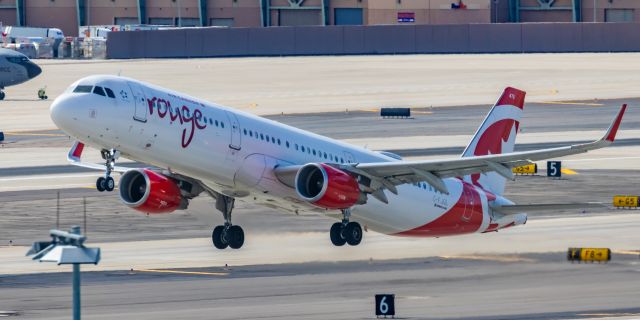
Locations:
(109, 184)
(235, 237)
(106, 183)
(1, 95)
(336, 235)
(218, 238)
(353, 233)
(101, 184)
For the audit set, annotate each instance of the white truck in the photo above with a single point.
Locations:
(52, 36)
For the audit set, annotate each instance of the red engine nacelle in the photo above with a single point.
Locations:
(150, 192)
(327, 187)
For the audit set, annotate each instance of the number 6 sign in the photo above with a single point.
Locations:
(385, 305)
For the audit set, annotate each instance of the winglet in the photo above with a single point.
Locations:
(76, 152)
(613, 129)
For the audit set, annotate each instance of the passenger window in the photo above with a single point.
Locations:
(302, 148)
(99, 91)
(245, 132)
(314, 152)
(287, 143)
(83, 89)
(250, 133)
(216, 123)
(221, 124)
(278, 141)
(296, 147)
(109, 93)
(325, 155)
(261, 136)
(273, 140)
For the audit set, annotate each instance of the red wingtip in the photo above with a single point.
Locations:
(613, 130)
(512, 96)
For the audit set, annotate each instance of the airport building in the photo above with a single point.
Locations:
(69, 14)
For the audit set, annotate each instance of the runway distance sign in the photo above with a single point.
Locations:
(527, 169)
(625, 201)
(554, 169)
(589, 254)
(385, 305)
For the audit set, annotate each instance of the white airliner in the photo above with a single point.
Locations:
(228, 154)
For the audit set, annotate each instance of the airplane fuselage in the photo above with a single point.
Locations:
(234, 153)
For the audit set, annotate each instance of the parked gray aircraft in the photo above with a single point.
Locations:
(15, 68)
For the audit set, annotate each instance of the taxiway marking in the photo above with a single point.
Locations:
(184, 272)
(573, 103)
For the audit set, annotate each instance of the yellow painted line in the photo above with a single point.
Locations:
(628, 252)
(94, 187)
(573, 103)
(185, 272)
(489, 258)
(35, 134)
(31, 131)
(568, 171)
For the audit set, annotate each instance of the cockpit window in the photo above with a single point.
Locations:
(17, 59)
(83, 89)
(109, 93)
(99, 90)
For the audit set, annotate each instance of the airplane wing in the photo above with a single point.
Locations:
(387, 175)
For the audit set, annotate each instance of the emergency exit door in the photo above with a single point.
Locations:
(235, 131)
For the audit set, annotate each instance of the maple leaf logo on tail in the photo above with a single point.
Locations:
(496, 135)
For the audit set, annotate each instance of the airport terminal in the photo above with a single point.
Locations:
(329, 159)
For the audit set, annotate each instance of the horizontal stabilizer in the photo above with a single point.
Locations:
(527, 208)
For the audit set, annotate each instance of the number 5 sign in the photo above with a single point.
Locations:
(554, 169)
(385, 305)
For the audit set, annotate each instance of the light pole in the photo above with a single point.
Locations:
(594, 10)
(67, 248)
(179, 13)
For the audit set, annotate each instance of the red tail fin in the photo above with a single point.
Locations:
(497, 135)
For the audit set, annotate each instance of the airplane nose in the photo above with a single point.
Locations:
(57, 112)
(33, 70)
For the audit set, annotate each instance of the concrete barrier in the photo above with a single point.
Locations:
(391, 39)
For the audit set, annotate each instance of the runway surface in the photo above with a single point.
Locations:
(320, 84)
(288, 268)
(518, 286)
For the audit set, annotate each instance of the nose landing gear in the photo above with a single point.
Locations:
(227, 235)
(345, 231)
(107, 183)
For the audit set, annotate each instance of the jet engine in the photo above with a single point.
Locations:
(150, 192)
(328, 187)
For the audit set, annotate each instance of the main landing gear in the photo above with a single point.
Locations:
(345, 231)
(106, 183)
(227, 235)
(2, 95)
